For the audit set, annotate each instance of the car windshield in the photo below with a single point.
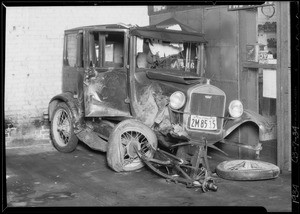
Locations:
(157, 54)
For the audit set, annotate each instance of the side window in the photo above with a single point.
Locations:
(73, 46)
(106, 49)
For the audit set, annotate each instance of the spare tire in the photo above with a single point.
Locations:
(247, 170)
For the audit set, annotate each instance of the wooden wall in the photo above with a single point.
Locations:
(228, 33)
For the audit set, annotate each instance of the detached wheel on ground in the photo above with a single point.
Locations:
(125, 138)
(62, 133)
(247, 170)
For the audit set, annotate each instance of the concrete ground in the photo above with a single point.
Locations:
(39, 176)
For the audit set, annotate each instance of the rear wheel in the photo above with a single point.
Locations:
(247, 170)
(62, 133)
(125, 138)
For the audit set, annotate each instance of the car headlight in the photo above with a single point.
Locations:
(236, 108)
(177, 100)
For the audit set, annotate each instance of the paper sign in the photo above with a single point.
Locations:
(174, 27)
(139, 45)
(109, 53)
(269, 83)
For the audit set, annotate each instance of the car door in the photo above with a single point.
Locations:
(105, 80)
(73, 67)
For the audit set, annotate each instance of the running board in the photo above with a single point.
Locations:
(92, 139)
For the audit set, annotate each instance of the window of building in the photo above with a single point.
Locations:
(266, 28)
(266, 38)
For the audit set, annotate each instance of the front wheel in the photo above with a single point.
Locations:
(62, 133)
(126, 138)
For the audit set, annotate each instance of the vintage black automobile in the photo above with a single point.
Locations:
(128, 89)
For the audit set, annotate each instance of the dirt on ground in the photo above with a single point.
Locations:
(39, 176)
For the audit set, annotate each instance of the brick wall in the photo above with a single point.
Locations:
(33, 52)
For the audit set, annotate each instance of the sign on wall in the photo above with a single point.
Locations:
(158, 9)
(244, 7)
(269, 83)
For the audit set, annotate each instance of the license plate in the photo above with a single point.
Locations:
(203, 122)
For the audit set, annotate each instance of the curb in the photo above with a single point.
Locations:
(26, 142)
(27, 146)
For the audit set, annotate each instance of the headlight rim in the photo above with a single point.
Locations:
(233, 114)
(182, 102)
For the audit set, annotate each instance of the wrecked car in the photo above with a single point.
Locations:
(130, 91)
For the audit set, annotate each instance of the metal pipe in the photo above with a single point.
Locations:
(131, 75)
(202, 60)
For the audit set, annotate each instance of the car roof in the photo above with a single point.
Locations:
(151, 31)
(99, 27)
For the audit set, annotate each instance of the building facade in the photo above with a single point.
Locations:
(247, 56)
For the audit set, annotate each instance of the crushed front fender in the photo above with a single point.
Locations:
(267, 127)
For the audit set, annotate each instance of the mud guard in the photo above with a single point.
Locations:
(267, 127)
(84, 133)
(69, 99)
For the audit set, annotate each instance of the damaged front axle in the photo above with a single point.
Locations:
(176, 169)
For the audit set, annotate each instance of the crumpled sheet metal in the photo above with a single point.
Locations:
(105, 95)
(146, 108)
(153, 110)
(152, 107)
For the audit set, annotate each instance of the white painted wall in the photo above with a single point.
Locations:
(34, 46)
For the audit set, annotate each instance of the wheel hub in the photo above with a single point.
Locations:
(64, 128)
(131, 148)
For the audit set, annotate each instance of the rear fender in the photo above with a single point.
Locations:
(266, 126)
(69, 99)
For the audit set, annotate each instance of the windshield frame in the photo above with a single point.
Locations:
(198, 59)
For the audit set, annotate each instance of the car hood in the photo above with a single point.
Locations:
(174, 76)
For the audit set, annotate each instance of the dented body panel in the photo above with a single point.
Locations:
(105, 94)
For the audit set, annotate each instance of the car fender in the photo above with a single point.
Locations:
(69, 99)
(266, 126)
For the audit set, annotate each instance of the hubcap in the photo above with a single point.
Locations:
(131, 148)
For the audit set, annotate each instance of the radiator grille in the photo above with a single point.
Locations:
(208, 105)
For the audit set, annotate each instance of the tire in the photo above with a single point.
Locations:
(247, 170)
(62, 132)
(121, 155)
